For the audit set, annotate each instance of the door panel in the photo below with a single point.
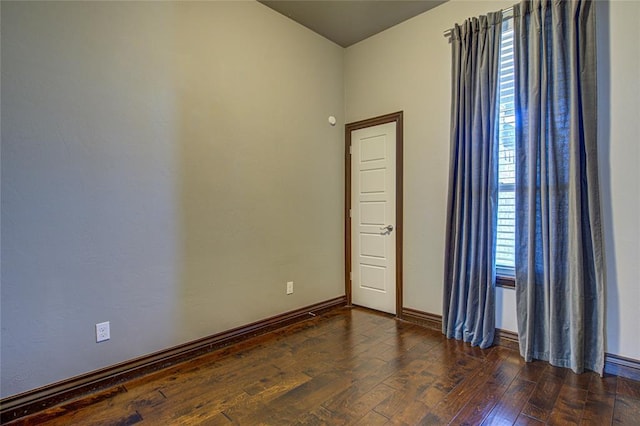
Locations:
(372, 213)
(372, 245)
(372, 181)
(373, 278)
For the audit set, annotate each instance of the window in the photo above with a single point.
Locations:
(505, 243)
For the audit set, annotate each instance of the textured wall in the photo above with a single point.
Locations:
(166, 167)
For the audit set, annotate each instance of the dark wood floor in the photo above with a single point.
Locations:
(354, 366)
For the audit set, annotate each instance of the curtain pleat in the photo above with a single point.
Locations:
(559, 244)
(469, 293)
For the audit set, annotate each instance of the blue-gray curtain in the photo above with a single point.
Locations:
(559, 244)
(469, 293)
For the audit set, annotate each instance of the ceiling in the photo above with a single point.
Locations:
(346, 22)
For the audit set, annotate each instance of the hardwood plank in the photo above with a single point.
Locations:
(545, 394)
(286, 409)
(130, 420)
(579, 381)
(202, 398)
(603, 385)
(433, 394)
(626, 411)
(372, 419)
(506, 411)
(409, 382)
(628, 388)
(243, 411)
(367, 402)
(198, 410)
(598, 409)
(413, 370)
(449, 372)
(321, 416)
(533, 371)
(412, 413)
(387, 352)
(144, 403)
(483, 402)
(361, 387)
(397, 401)
(568, 407)
(524, 420)
(447, 409)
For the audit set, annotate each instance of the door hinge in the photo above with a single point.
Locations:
(350, 212)
(350, 276)
(350, 149)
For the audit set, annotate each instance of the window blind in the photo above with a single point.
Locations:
(505, 243)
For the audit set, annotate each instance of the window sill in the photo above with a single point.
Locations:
(506, 282)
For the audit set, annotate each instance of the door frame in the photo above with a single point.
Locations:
(395, 117)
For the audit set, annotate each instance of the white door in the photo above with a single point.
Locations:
(373, 217)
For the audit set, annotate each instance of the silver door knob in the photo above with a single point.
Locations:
(386, 229)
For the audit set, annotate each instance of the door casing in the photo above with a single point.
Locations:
(396, 117)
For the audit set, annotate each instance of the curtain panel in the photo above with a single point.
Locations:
(559, 244)
(469, 293)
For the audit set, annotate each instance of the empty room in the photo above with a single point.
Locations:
(320, 212)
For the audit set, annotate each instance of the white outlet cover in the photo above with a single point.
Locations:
(103, 332)
(289, 287)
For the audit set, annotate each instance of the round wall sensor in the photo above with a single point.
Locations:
(332, 120)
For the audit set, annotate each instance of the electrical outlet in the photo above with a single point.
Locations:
(102, 332)
(290, 287)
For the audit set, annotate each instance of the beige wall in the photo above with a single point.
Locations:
(619, 133)
(166, 167)
(408, 68)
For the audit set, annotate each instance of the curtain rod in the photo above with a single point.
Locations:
(506, 13)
